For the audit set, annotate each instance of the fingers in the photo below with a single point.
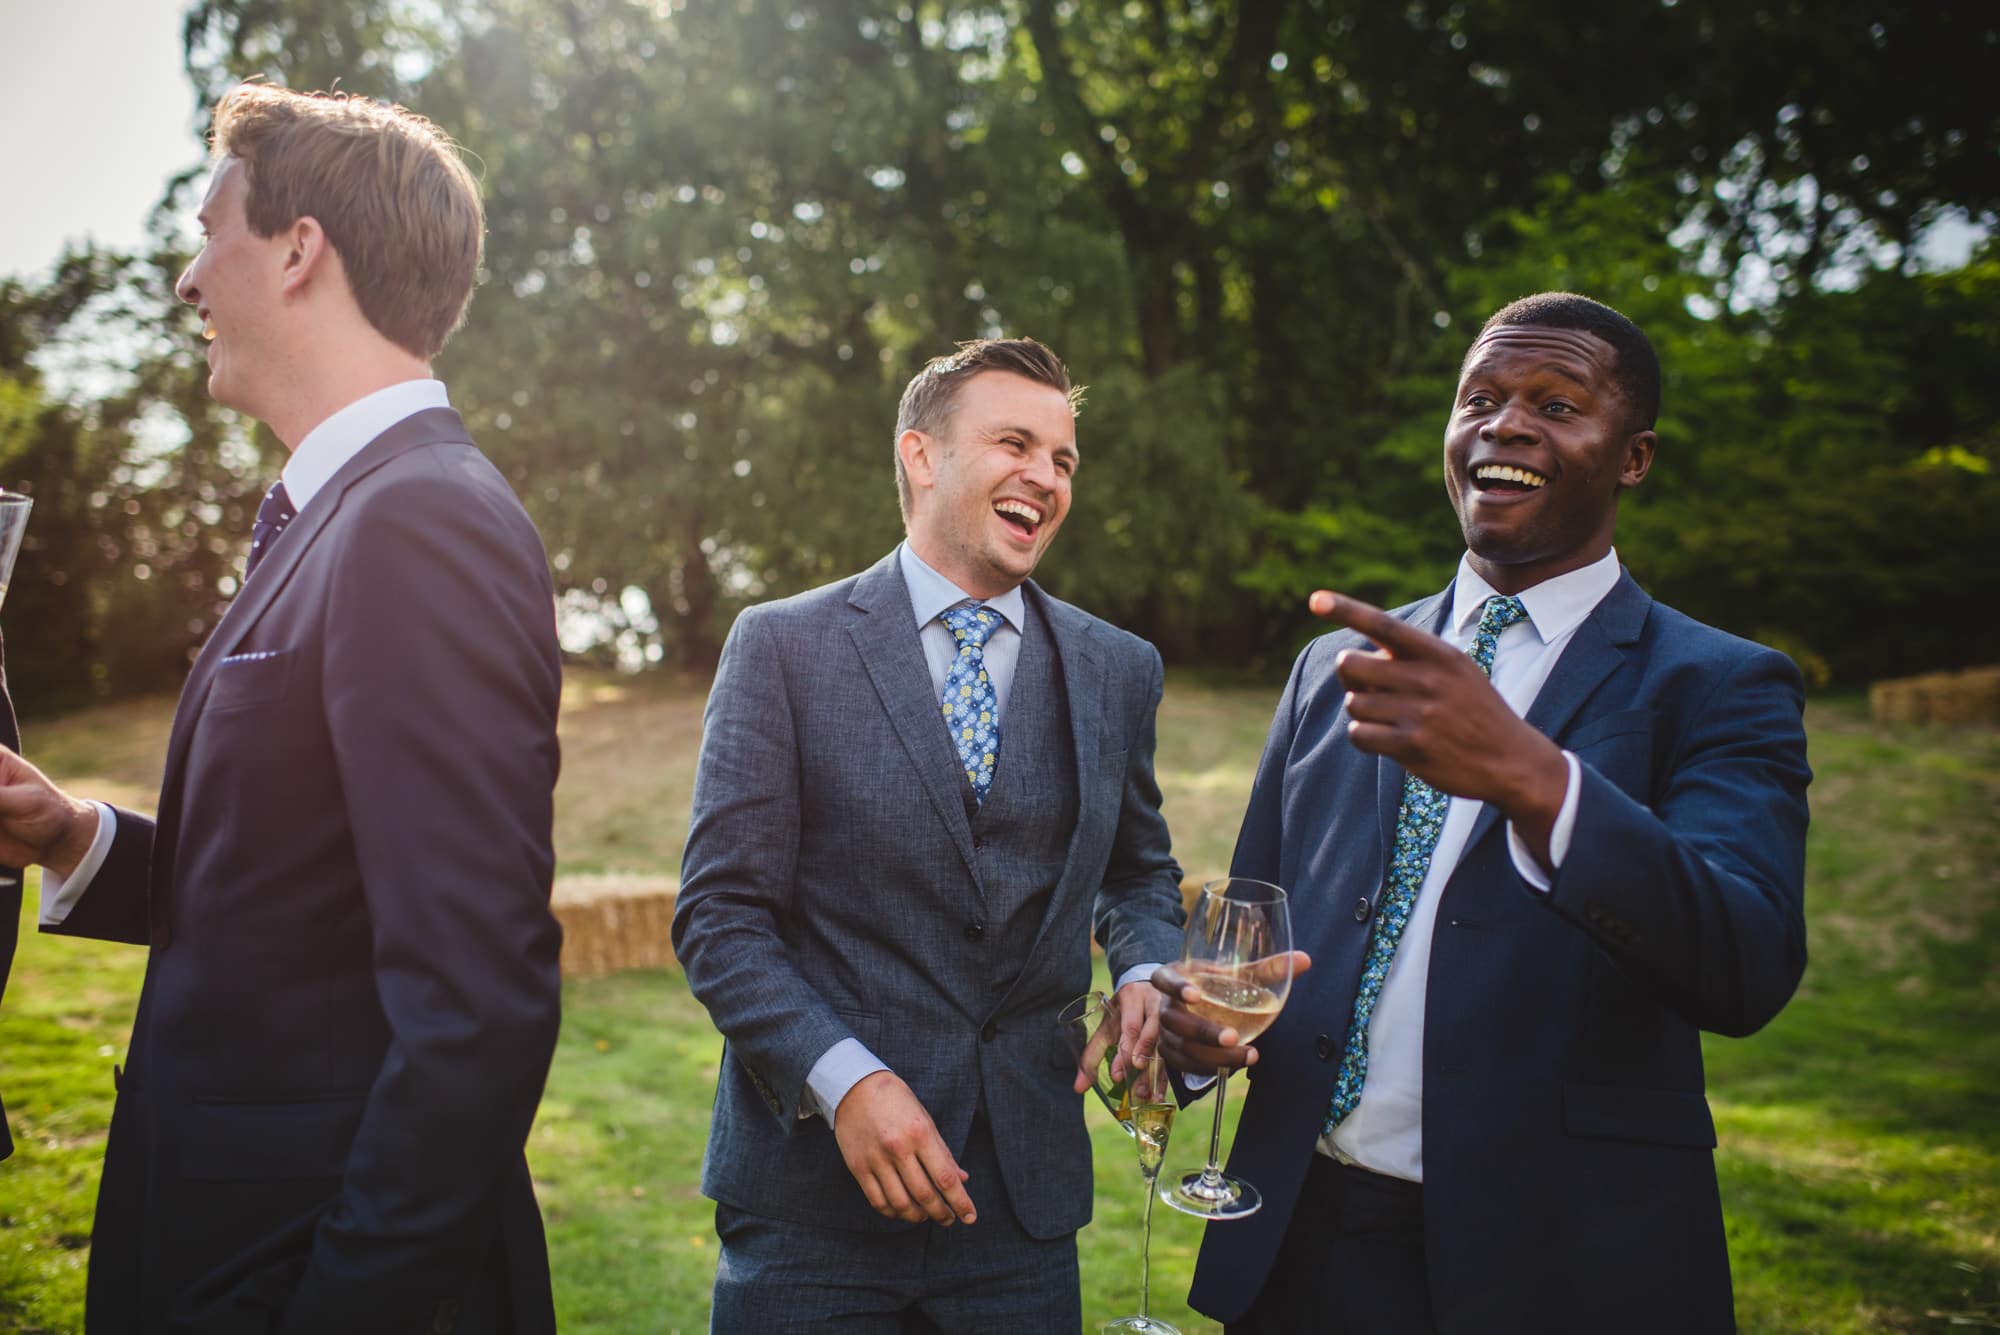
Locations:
(947, 1201)
(1138, 1027)
(1398, 637)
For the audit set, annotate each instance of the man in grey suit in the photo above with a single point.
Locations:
(917, 789)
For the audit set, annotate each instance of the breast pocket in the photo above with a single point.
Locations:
(1619, 746)
(245, 681)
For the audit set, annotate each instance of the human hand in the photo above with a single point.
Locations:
(39, 822)
(1196, 1046)
(1426, 705)
(895, 1153)
(1138, 1011)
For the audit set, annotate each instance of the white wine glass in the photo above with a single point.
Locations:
(1089, 1026)
(1237, 951)
(14, 508)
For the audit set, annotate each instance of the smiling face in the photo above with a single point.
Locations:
(235, 284)
(989, 492)
(1539, 445)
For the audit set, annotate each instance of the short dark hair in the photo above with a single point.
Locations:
(933, 392)
(1635, 366)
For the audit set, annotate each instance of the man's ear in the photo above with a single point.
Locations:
(308, 254)
(1638, 459)
(919, 452)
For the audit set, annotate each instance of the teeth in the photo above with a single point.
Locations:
(1025, 511)
(1507, 473)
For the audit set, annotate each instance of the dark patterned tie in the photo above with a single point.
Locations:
(971, 710)
(1418, 826)
(272, 516)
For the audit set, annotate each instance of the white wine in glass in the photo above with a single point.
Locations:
(1237, 952)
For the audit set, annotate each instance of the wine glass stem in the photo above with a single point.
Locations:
(1146, 1255)
(1212, 1174)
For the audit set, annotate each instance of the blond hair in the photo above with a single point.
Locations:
(389, 189)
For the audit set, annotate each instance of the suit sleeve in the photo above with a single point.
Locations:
(1702, 891)
(1139, 910)
(738, 875)
(442, 684)
(115, 906)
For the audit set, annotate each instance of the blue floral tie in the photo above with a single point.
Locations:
(1418, 825)
(971, 710)
(272, 515)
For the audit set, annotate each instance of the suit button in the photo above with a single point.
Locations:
(975, 931)
(1323, 1048)
(978, 842)
(986, 1034)
(1362, 908)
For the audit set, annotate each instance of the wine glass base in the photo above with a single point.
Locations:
(1226, 1198)
(1149, 1325)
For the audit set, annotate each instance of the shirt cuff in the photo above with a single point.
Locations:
(59, 892)
(1138, 973)
(1524, 861)
(842, 1067)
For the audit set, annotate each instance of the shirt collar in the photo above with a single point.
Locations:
(931, 593)
(342, 436)
(1555, 606)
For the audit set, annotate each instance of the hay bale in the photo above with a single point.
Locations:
(615, 922)
(1952, 699)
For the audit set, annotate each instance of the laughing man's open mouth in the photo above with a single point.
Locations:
(1020, 516)
(1507, 478)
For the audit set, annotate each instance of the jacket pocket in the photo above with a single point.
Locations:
(243, 681)
(1623, 722)
(1651, 1116)
(247, 1141)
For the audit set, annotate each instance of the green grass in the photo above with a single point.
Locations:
(1860, 1154)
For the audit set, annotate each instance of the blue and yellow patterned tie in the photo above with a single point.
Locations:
(1418, 825)
(971, 710)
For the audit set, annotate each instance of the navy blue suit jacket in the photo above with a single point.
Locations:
(353, 995)
(1569, 1181)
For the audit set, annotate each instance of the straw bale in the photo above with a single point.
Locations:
(615, 922)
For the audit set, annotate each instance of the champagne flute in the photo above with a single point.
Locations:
(14, 509)
(1238, 952)
(1152, 1104)
(1143, 1102)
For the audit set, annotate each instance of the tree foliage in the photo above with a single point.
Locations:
(723, 233)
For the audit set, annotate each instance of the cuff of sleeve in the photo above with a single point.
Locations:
(1559, 837)
(842, 1067)
(59, 892)
(1138, 973)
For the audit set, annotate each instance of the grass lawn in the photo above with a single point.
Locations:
(1860, 1143)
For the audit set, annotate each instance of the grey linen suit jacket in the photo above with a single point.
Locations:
(832, 887)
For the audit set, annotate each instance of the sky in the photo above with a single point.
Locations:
(97, 117)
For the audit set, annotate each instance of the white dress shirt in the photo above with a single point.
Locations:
(325, 449)
(1384, 1133)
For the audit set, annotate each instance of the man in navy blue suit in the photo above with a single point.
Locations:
(1540, 832)
(352, 994)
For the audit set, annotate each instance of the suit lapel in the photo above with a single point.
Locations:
(1593, 654)
(431, 426)
(886, 637)
(1431, 614)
